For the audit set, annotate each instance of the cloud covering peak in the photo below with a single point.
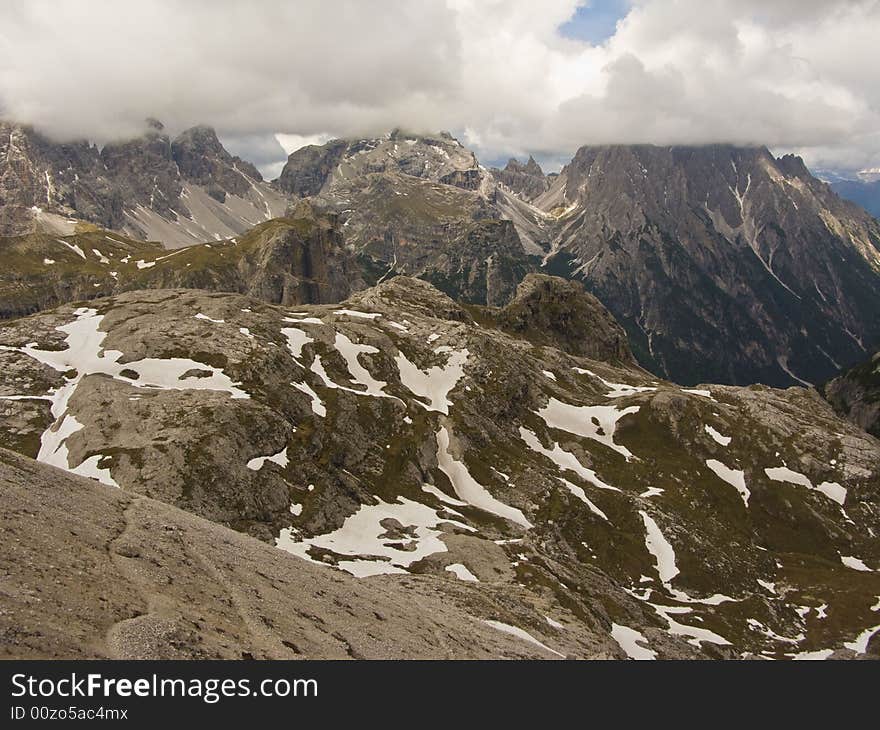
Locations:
(798, 74)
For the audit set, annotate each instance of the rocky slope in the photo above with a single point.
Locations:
(551, 311)
(856, 394)
(164, 584)
(179, 192)
(723, 263)
(300, 258)
(403, 439)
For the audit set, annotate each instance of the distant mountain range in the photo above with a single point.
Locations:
(862, 192)
(723, 264)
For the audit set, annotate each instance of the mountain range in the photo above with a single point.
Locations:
(398, 404)
(865, 193)
(686, 246)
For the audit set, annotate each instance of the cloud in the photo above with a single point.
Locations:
(793, 74)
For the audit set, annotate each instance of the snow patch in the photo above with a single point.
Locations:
(717, 437)
(280, 458)
(469, 489)
(832, 490)
(565, 460)
(734, 477)
(378, 548)
(318, 407)
(434, 384)
(593, 422)
(632, 641)
(461, 572)
(617, 390)
(520, 634)
(361, 315)
(855, 563)
(581, 495)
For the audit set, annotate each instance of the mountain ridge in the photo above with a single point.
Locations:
(687, 246)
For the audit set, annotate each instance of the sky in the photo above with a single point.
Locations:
(507, 77)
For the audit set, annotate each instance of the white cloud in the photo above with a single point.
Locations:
(794, 74)
(292, 142)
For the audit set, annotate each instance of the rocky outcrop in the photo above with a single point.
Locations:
(722, 263)
(552, 311)
(856, 394)
(403, 440)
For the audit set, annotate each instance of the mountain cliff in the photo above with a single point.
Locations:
(723, 263)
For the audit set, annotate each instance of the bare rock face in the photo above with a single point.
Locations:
(43, 182)
(856, 394)
(400, 445)
(308, 168)
(144, 170)
(722, 263)
(553, 311)
(201, 159)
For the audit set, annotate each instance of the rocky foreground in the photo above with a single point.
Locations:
(422, 479)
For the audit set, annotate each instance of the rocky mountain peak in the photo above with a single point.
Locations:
(737, 243)
(530, 168)
(439, 158)
(552, 311)
(525, 180)
(144, 171)
(148, 186)
(202, 159)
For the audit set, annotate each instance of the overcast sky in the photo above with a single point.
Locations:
(509, 77)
